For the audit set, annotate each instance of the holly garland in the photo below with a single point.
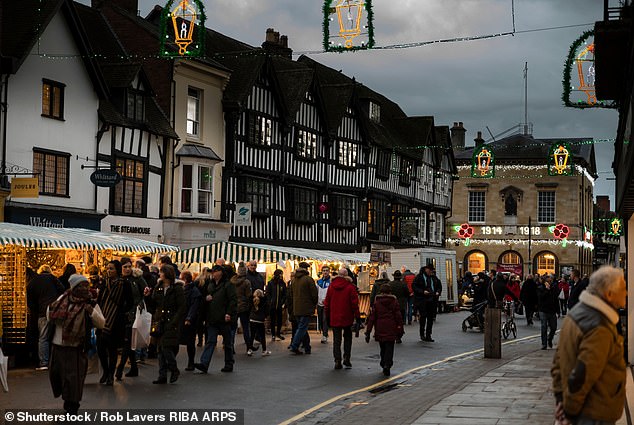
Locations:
(567, 86)
(197, 48)
(329, 10)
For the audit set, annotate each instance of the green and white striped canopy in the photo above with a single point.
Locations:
(235, 252)
(74, 238)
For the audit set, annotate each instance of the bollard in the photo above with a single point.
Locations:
(492, 333)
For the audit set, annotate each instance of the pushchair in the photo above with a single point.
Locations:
(476, 318)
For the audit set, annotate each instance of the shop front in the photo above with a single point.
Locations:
(194, 233)
(23, 249)
(44, 216)
(141, 228)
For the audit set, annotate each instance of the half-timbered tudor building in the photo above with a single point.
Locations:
(66, 115)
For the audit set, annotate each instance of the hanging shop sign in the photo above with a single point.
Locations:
(105, 177)
(182, 29)
(348, 25)
(579, 75)
(242, 216)
(560, 160)
(483, 162)
(25, 187)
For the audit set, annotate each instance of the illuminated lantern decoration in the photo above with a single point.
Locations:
(561, 232)
(483, 163)
(464, 232)
(559, 160)
(350, 24)
(183, 26)
(616, 226)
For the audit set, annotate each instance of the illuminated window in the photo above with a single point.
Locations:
(306, 144)
(377, 216)
(375, 112)
(347, 153)
(53, 99)
(129, 192)
(476, 262)
(449, 278)
(53, 169)
(193, 112)
(260, 130)
(546, 263)
(510, 258)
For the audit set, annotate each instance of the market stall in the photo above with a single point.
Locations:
(27, 247)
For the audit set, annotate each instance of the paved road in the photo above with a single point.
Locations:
(271, 389)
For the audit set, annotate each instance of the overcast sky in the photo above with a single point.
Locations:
(478, 82)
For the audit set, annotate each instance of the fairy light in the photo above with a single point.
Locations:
(524, 242)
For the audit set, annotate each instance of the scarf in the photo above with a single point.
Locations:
(68, 313)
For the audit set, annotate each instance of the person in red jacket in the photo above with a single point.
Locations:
(341, 307)
(387, 321)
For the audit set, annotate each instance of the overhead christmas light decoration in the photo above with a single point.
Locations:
(483, 163)
(184, 27)
(351, 22)
(579, 68)
(464, 232)
(561, 232)
(616, 227)
(560, 160)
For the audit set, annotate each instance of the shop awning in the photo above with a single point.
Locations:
(234, 252)
(74, 238)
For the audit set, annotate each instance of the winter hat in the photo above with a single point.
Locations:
(76, 279)
(278, 272)
(397, 273)
(242, 270)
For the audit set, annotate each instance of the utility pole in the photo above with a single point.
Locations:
(526, 99)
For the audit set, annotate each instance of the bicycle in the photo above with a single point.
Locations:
(508, 326)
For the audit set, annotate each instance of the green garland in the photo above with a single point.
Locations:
(329, 10)
(198, 42)
(567, 87)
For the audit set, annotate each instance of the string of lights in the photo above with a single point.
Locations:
(548, 242)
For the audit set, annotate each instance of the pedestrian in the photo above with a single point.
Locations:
(376, 287)
(387, 322)
(400, 291)
(193, 299)
(221, 302)
(303, 293)
(427, 290)
(68, 270)
(115, 301)
(408, 278)
(276, 294)
(258, 314)
(134, 279)
(578, 285)
(201, 281)
(341, 307)
(96, 282)
(244, 294)
(588, 368)
(170, 306)
(42, 290)
(255, 278)
(322, 288)
(547, 301)
(564, 294)
(528, 296)
(72, 316)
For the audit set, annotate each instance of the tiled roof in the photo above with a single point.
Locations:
(294, 80)
(197, 151)
(244, 73)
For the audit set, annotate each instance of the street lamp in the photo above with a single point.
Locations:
(561, 155)
(349, 15)
(484, 161)
(184, 30)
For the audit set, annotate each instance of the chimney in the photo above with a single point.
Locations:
(277, 45)
(131, 6)
(603, 203)
(457, 135)
(479, 141)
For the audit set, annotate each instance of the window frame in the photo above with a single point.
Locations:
(348, 150)
(195, 190)
(474, 216)
(407, 173)
(247, 193)
(41, 174)
(136, 95)
(346, 211)
(374, 112)
(378, 216)
(196, 127)
(260, 130)
(545, 211)
(122, 170)
(302, 151)
(52, 99)
(383, 164)
(301, 204)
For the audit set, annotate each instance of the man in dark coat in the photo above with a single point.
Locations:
(401, 292)
(427, 289)
(547, 301)
(577, 286)
(303, 296)
(221, 301)
(528, 296)
(42, 290)
(193, 299)
(255, 278)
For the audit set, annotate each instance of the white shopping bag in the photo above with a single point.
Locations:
(4, 360)
(141, 329)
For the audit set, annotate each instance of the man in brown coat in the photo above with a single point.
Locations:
(588, 368)
(303, 296)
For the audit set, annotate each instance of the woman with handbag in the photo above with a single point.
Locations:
(72, 317)
(169, 301)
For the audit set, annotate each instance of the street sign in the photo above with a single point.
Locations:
(105, 177)
(242, 216)
(25, 187)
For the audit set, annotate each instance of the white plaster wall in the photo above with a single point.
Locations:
(154, 196)
(76, 135)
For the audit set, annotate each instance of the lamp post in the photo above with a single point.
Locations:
(530, 261)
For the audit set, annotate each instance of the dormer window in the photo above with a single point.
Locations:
(135, 105)
(375, 112)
